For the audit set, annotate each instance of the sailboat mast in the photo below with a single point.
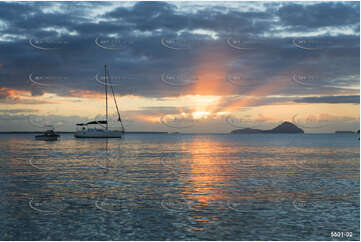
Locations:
(106, 95)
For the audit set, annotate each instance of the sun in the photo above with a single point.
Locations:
(200, 115)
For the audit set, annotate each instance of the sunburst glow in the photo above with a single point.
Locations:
(200, 115)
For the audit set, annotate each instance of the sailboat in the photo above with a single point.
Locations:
(100, 128)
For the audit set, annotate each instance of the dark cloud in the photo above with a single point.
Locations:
(326, 14)
(36, 92)
(140, 58)
(149, 16)
(330, 99)
(10, 111)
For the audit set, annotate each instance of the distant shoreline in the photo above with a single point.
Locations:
(161, 132)
(71, 132)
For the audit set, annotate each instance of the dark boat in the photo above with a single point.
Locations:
(48, 135)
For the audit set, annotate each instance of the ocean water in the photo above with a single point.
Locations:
(181, 187)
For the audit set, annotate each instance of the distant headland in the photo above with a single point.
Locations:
(285, 127)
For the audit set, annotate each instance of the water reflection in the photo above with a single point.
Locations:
(178, 187)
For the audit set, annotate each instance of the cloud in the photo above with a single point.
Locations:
(16, 96)
(265, 62)
(10, 111)
(37, 92)
(330, 99)
(319, 15)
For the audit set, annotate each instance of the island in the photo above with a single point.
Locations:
(284, 128)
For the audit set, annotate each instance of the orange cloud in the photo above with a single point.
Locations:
(86, 94)
(324, 117)
(147, 118)
(13, 93)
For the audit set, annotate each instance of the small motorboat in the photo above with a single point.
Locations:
(48, 135)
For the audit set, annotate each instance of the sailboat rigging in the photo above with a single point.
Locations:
(84, 130)
(116, 104)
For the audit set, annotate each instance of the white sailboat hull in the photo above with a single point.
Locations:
(98, 134)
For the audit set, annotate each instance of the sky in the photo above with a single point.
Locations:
(190, 67)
